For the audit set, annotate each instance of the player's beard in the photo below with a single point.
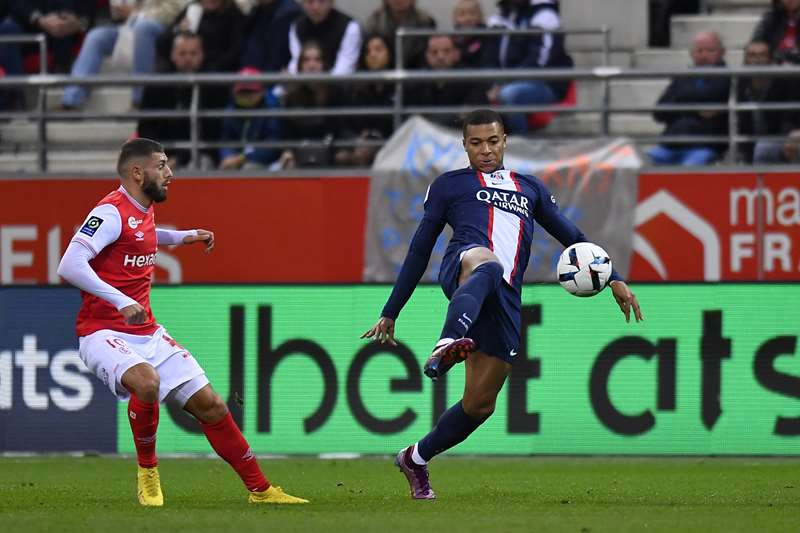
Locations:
(152, 189)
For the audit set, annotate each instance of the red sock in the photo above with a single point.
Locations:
(230, 444)
(144, 423)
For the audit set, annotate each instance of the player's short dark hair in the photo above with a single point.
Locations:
(482, 116)
(136, 148)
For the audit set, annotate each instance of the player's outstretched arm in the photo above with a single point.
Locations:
(414, 265)
(383, 331)
(626, 300)
(203, 236)
(173, 237)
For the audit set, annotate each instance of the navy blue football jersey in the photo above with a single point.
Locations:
(498, 211)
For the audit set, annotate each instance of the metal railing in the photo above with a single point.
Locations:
(598, 74)
(41, 102)
(410, 33)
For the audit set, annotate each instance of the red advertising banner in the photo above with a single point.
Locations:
(717, 226)
(267, 229)
(781, 214)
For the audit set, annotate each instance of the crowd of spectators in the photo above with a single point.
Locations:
(294, 36)
(775, 41)
(313, 36)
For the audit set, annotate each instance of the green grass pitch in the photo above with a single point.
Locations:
(582, 495)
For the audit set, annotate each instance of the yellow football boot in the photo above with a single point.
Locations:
(274, 495)
(149, 485)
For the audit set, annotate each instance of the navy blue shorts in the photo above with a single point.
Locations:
(496, 331)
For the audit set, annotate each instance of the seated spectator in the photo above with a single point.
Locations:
(266, 45)
(249, 96)
(62, 21)
(529, 51)
(221, 24)
(467, 15)
(338, 35)
(319, 130)
(706, 51)
(394, 14)
(764, 122)
(147, 22)
(442, 54)
(789, 151)
(186, 58)
(779, 28)
(377, 54)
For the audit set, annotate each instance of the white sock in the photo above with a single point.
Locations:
(417, 458)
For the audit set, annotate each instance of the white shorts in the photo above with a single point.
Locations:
(109, 354)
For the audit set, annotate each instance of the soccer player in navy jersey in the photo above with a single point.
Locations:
(491, 211)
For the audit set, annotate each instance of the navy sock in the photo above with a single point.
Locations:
(465, 305)
(453, 427)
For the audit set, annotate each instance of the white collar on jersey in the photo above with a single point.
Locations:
(501, 167)
(136, 204)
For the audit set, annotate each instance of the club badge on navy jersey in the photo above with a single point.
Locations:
(91, 226)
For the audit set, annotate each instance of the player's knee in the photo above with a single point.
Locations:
(147, 388)
(493, 270)
(478, 408)
(142, 380)
(214, 410)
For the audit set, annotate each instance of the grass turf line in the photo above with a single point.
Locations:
(475, 494)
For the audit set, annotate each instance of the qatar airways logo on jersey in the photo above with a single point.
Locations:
(505, 200)
(139, 260)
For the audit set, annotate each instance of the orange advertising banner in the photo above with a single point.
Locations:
(267, 229)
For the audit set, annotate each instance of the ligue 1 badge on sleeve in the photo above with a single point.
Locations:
(91, 226)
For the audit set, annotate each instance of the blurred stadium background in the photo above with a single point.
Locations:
(305, 259)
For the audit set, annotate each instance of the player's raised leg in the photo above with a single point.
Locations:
(227, 440)
(480, 275)
(484, 378)
(143, 383)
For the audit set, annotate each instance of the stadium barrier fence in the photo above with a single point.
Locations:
(601, 74)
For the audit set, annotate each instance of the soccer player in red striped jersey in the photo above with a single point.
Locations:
(111, 259)
(492, 211)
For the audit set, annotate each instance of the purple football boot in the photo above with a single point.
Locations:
(417, 475)
(447, 353)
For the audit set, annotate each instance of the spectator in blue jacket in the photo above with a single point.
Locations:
(249, 95)
(266, 45)
(706, 51)
(529, 51)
